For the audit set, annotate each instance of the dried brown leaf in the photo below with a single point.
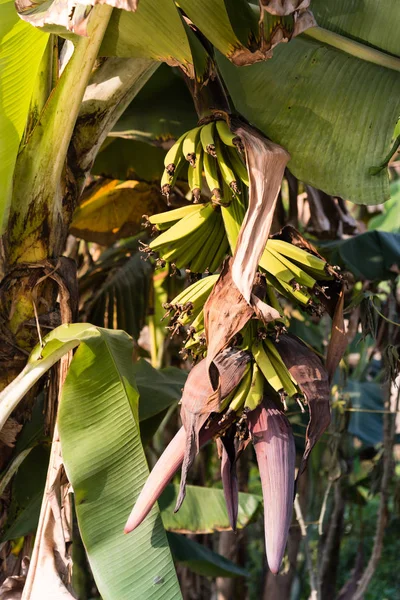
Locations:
(72, 15)
(8, 434)
(312, 378)
(225, 313)
(266, 164)
(49, 573)
(283, 7)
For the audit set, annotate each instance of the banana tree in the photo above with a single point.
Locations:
(69, 76)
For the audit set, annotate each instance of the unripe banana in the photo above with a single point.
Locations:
(184, 227)
(166, 219)
(264, 363)
(195, 174)
(272, 265)
(173, 156)
(226, 171)
(226, 135)
(302, 277)
(220, 254)
(201, 260)
(189, 145)
(195, 291)
(289, 384)
(297, 254)
(238, 166)
(211, 174)
(256, 390)
(207, 138)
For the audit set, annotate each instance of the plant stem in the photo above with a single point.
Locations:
(310, 568)
(353, 48)
(39, 186)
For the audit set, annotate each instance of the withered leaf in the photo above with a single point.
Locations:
(312, 378)
(72, 15)
(275, 450)
(225, 313)
(266, 164)
(283, 7)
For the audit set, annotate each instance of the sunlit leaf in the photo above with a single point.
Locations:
(21, 50)
(99, 414)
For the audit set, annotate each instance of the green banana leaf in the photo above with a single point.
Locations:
(158, 389)
(155, 30)
(99, 415)
(367, 21)
(374, 255)
(389, 219)
(333, 112)
(21, 51)
(201, 560)
(367, 426)
(204, 510)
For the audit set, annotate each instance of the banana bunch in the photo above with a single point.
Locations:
(266, 372)
(293, 272)
(213, 149)
(192, 236)
(187, 307)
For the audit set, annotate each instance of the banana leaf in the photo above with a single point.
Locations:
(335, 114)
(204, 510)
(201, 560)
(389, 219)
(21, 51)
(99, 415)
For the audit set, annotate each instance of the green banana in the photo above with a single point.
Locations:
(302, 277)
(189, 145)
(166, 219)
(241, 392)
(289, 384)
(173, 156)
(227, 137)
(207, 138)
(269, 263)
(304, 258)
(238, 166)
(201, 260)
(184, 227)
(256, 391)
(195, 291)
(195, 174)
(264, 363)
(211, 174)
(226, 170)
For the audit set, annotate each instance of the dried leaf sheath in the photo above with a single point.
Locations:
(276, 455)
(201, 397)
(266, 164)
(312, 378)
